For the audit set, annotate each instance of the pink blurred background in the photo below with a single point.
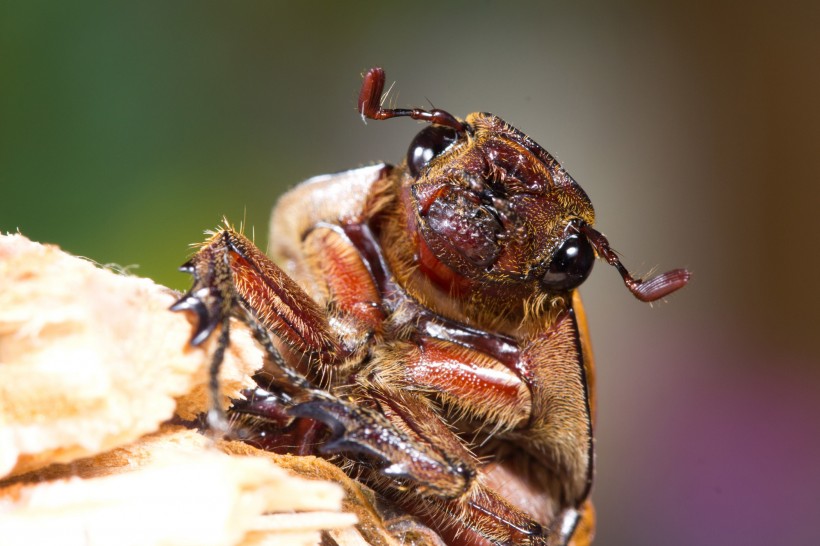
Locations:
(125, 131)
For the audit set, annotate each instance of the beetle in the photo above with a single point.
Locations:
(423, 327)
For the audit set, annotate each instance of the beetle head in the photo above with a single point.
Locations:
(492, 208)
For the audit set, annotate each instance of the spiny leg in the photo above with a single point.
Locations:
(233, 278)
(452, 495)
(359, 429)
(404, 385)
(454, 499)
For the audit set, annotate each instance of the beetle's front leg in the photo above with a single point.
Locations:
(229, 270)
(233, 278)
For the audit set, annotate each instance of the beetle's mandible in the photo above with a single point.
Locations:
(424, 331)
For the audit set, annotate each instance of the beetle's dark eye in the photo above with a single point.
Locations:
(430, 142)
(570, 264)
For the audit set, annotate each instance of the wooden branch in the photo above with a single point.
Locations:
(92, 364)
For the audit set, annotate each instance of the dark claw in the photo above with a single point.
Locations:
(206, 321)
(202, 299)
(325, 411)
(345, 423)
(354, 429)
(358, 429)
(188, 267)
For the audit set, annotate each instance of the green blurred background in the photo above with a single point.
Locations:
(126, 129)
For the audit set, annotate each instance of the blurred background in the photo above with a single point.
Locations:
(128, 129)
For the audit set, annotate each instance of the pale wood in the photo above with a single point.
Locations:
(91, 364)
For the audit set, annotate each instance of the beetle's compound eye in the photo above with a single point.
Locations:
(429, 143)
(570, 265)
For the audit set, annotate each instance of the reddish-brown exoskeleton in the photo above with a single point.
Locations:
(424, 326)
